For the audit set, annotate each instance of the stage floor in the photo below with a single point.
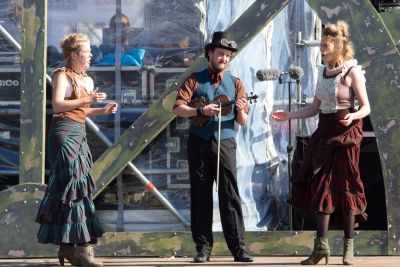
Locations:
(381, 261)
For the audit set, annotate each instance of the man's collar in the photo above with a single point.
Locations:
(216, 77)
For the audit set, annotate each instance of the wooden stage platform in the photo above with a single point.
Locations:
(380, 261)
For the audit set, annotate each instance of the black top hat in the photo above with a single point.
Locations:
(222, 40)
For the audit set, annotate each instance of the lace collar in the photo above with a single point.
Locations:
(342, 69)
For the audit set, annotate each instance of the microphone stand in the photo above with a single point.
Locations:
(289, 149)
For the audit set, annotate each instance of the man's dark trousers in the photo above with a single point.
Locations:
(202, 157)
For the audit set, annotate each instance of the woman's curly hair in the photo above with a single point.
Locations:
(339, 33)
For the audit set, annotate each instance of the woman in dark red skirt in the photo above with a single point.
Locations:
(329, 178)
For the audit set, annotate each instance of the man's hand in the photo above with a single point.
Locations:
(210, 110)
(241, 104)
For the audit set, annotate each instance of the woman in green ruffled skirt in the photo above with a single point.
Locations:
(66, 214)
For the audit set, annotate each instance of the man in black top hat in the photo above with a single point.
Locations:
(214, 83)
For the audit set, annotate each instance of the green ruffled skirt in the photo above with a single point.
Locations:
(67, 213)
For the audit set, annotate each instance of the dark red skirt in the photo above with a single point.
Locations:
(329, 178)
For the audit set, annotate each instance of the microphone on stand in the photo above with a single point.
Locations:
(269, 74)
(296, 72)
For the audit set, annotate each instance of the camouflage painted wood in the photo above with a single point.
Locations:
(392, 23)
(259, 243)
(377, 52)
(33, 94)
(18, 206)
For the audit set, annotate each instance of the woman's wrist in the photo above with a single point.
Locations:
(86, 100)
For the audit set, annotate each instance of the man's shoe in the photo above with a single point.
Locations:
(243, 256)
(201, 257)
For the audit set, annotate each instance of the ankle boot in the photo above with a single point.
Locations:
(348, 255)
(85, 255)
(321, 250)
(67, 252)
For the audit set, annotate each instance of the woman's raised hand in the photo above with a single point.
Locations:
(280, 115)
(96, 97)
(111, 108)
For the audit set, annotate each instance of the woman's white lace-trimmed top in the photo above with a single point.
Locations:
(86, 82)
(331, 92)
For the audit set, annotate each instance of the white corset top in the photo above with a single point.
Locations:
(331, 92)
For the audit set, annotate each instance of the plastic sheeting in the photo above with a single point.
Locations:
(168, 31)
(261, 153)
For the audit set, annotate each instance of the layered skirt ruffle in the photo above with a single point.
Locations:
(67, 213)
(329, 180)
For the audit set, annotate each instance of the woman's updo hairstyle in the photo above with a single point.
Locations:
(72, 43)
(339, 33)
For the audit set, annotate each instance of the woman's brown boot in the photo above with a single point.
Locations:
(67, 252)
(85, 255)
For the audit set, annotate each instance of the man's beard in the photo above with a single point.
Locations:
(216, 68)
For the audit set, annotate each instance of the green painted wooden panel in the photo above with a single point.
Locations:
(377, 52)
(18, 206)
(392, 22)
(259, 243)
(159, 114)
(33, 96)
